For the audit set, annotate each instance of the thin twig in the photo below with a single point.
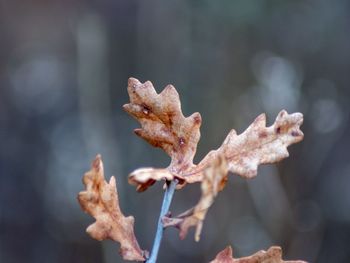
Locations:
(168, 196)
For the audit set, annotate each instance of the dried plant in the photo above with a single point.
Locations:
(272, 255)
(100, 200)
(163, 125)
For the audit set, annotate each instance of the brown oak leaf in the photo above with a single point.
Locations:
(100, 200)
(163, 124)
(257, 145)
(214, 180)
(272, 255)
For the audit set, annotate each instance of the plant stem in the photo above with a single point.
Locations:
(168, 196)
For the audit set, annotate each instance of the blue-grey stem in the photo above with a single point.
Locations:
(168, 196)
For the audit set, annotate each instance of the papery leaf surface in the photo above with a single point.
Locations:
(272, 255)
(163, 124)
(100, 200)
(257, 145)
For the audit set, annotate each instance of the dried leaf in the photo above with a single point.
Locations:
(100, 200)
(145, 177)
(214, 180)
(257, 145)
(272, 255)
(163, 124)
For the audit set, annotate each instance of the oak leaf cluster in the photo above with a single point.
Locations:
(163, 125)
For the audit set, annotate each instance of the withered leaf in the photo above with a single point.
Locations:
(272, 255)
(163, 124)
(214, 180)
(257, 145)
(145, 177)
(100, 200)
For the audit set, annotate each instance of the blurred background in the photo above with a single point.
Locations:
(64, 67)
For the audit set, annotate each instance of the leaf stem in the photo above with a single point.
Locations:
(168, 196)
